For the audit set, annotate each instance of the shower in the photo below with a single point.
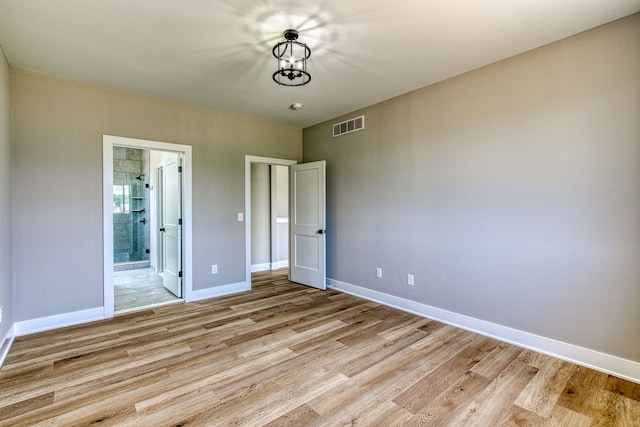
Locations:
(130, 208)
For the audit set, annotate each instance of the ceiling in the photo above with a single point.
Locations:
(217, 54)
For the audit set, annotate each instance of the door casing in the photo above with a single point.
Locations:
(108, 142)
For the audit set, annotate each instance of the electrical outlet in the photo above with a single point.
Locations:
(379, 273)
(410, 279)
(214, 269)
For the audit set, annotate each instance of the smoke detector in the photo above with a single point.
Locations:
(295, 106)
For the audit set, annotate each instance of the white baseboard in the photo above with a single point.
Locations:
(6, 345)
(218, 291)
(58, 321)
(269, 266)
(280, 264)
(614, 365)
(260, 267)
(90, 315)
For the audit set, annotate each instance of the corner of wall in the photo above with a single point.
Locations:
(6, 245)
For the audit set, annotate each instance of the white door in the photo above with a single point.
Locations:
(171, 227)
(307, 224)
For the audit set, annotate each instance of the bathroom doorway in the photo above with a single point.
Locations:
(141, 205)
(146, 202)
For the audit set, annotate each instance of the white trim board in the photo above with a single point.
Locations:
(219, 291)
(260, 267)
(269, 266)
(6, 344)
(622, 368)
(40, 324)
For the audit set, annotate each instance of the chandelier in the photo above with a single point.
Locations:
(292, 61)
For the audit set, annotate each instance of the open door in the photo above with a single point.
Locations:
(307, 220)
(171, 226)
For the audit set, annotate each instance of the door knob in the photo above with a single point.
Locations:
(322, 231)
(162, 229)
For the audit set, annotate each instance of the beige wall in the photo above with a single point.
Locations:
(512, 192)
(57, 138)
(6, 288)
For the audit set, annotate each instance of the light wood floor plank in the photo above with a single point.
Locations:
(543, 391)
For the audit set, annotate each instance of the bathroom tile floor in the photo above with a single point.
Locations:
(139, 288)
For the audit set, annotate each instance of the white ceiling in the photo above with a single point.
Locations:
(217, 54)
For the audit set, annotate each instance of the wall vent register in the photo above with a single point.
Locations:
(348, 126)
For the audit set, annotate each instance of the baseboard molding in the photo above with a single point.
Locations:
(6, 344)
(41, 324)
(280, 264)
(260, 267)
(218, 291)
(614, 365)
(58, 321)
(269, 266)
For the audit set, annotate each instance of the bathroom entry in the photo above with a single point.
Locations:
(147, 227)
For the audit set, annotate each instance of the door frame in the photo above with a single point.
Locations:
(248, 160)
(108, 142)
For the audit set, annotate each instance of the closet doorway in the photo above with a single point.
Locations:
(269, 217)
(264, 176)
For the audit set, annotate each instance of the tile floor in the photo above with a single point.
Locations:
(139, 288)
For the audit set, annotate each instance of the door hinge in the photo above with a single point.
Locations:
(179, 273)
(179, 169)
(179, 221)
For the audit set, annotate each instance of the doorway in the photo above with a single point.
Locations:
(138, 278)
(154, 201)
(264, 170)
(307, 220)
(269, 217)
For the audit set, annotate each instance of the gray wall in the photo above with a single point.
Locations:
(512, 192)
(260, 214)
(6, 287)
(57, 175)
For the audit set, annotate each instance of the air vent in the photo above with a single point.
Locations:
(348, 126)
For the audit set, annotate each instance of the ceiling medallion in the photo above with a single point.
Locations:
(292, 58)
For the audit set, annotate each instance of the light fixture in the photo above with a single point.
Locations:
(292, 61)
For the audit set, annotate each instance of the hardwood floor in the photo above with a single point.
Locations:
(287, 355)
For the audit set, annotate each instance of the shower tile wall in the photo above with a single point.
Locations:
(131, 215)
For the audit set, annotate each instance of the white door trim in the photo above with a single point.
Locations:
(248, 160)
(108, 142)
